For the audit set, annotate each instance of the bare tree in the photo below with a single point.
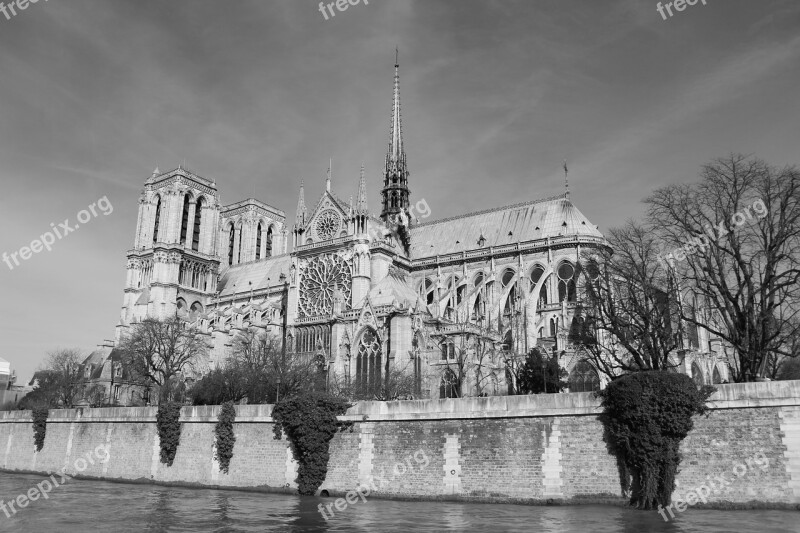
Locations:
(735, 237)
(632, 316)
(160, 352)
(270, 373)
(66, 366)
(395, 384)
(469, 351)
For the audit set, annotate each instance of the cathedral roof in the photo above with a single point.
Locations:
(539, 219)
(261, 274)
(394, 289)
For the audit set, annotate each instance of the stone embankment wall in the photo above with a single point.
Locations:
(508, 448)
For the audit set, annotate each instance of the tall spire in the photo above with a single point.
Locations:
(361, 206)
(396, 134)
(300, 219)
(395, 193)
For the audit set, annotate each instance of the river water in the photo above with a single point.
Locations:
(83, 506)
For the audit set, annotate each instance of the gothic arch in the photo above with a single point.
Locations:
(584, 377)
(448, 387)
(566, 274)
(697, 374)
(157, 218)
(368, 360)
(537, 273)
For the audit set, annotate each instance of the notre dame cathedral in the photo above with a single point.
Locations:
(361, 293)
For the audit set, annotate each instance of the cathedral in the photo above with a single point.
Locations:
(446, 301)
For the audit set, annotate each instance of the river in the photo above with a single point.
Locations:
(84, 506)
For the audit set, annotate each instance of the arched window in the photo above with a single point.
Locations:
(455, 295)
(231, 239)
(198, 218)
(448, 388)
(508, 341)
(268, 250)
(717, 376)
(258, 241)
(158, 220)
(566, 282)
(583, 378)
(536, 275)
(185, 218)
(553, 327)
(368, 363)
(239, 251)
(448, 351)
(697, 375)
(196, 310)
(511, 300)
(427, 290)
(509, 382)
(478, 308)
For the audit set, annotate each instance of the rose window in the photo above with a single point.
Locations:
(320, 278)
(327, 225)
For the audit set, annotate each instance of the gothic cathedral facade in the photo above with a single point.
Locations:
(366, 295)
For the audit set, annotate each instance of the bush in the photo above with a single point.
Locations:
(225, 437)
(647, 415)
(169, 430)
(310, 423)
(39, 426)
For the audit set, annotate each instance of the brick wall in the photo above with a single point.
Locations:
(517, 448)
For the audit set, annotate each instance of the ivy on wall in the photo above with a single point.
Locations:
(646, 416)
(310, 422)
(39, 426)
(169, 430)
(225, 437)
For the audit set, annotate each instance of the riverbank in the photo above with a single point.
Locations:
(545, 449)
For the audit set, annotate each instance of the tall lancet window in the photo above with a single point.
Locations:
(269, 243)
(198, 214)
(239, 251)
(258, 241)
(231, 237)
(185, 219)
(158, 219)
(368, 363)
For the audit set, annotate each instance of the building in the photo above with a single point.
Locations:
(10, 392)
(361, 292)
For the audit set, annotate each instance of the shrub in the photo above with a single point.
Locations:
(39, 426)
(225, 437)
(310, 423)
(169, 430)
(647, 415)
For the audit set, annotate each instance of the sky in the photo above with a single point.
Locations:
(260, 94)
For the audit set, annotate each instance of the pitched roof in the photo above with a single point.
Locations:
(394, 289)
(236, 278)
(539, 219)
